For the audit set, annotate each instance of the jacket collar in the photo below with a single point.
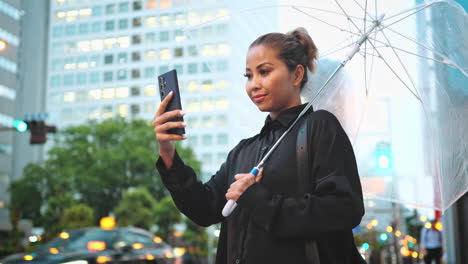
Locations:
(284, 119)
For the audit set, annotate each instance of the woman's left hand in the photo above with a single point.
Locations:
(243, 181)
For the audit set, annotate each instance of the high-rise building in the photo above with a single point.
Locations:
(10, 15)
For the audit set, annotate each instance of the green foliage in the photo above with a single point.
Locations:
(76, 216)
(92, 164)
(166, 215)
(136, 208)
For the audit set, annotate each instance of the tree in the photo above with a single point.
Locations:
(76, 216)
(92, 164)
(166, 215)
(136, 208)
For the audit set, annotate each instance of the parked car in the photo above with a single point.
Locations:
(96, 246)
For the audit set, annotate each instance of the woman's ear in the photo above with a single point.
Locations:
(298, 74)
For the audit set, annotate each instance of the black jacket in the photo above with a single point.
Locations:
(271, 222)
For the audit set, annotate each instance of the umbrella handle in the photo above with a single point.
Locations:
(231, 204)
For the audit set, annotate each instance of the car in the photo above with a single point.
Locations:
(96, 245)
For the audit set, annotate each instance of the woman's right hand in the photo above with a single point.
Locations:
(166, 141)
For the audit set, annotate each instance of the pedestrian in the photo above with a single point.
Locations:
(274, 222)
(431, 243)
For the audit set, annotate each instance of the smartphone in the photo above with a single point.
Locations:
(168, 83)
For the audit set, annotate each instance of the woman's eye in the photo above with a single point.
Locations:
(247, 75)
(263, 72)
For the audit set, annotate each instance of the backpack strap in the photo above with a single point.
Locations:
(302, 156)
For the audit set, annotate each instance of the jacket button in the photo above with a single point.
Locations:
(237, 261)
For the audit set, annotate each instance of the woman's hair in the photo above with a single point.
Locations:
(294, 48)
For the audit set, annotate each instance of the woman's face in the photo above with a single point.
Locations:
(270, 84)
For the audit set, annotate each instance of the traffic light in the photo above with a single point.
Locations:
(20, 126)
(39, 131)
(383, 157)
(383, 237)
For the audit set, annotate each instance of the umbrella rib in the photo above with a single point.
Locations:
(326, 11)
(396, 75)
(341, 29)
(365, 11)
(347, 16)
(328, 53)
(410, 9)
(401, 62)
(405, 17)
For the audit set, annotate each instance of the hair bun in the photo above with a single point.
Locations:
(306, 41)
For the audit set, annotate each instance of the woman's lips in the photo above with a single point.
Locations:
(259, 98)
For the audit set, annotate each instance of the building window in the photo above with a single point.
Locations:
(150, 55)
(68, 79)
(179, 68)
(165, 20)
(57, 31)
(108, 59)
(208, 105)
(150, 38)
(222, 66)
(136, 22)
(165, 3)
(193, 105)
(164, 54)
(135, 109)
(94, 77)
(69, 97)
(192, 51)
(178, 52)
(222, 84)
(123, 7)
(123, 23)
(83, 28)
(81, 78)
(110, 25)
(192, 68)
(151, 4)
(151, 21)
(108, 93)
(207, 140)
(149, 107)
(207, 31)
(206, 67)
(223, 49)
(70, 30)
(207, 86)
(179, 18)
(55, 81)
(121, 92)
(136, 39)
(97, 10)
(222, 139)
(107, 111)
(192, 86)
(135, 74)
(94, 95)
(136, 5)
(164, 36)
(192, 141)
(110, 9)
(108, 76)
(150, 90)
(221, 121)
(136, 56)
(193, 18)
(150, 72)
(122, 58)
(94, 113)
(56, 64)
(121, 75)
(208, 50)
(135, 91)
(222, 103)
(122, 110)
(96, 27)
(179, 35)
(163, 69)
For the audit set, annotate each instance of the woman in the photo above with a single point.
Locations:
(272, 222)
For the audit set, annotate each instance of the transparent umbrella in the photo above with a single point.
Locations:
(402, 98)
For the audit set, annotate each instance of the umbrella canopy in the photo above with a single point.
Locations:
(403, 98)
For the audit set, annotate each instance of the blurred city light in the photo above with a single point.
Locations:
(383, 237)
(389, 229)
(20, 125)
(64, 235)
(103, 259)
(28, 257)
(397, 233)
(3, 44)
(366, 246)
(158, 240)
(427, 225)
(53, 251)
(439, 226)
(423, 218)
(374, 222)
(107, 223)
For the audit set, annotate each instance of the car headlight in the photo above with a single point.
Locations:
(76, 262)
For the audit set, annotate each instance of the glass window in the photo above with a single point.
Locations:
(57, 31)
(192, 141)
(207, 158)
(108, 59)
(208, 50)
(107, 111)
(136, 56)
(135, 91)
(121, 75)
(123, 23)
(207, 105)
(137, 5)
(121, 92)
(123, 7)
(70, 30)
(110, 25)
(68, 79)
(164, 36)
(151, 21)
(192, 51)
(108, 76)
(122, 110)
(192, 68)
(66, 113)
(150, 55)
(96, 27)
(165, 3)
(94, 113)
(136, 22)
(108, 93)
(164, 54)
(178, 52)
(222, 139)
(97, 10)
(193, 105)
(136, 39)
(207, 85)
(83, 28)
(223, 49)
(122, 58)
(150, 90)
(192, 86)
(150, 38)
(206, 67)
(135, 109)
(55, 81)
(222, 84)
(165, 19)
(111, 8)
(179, 68)
(151, 4)
(94, 77)
(149, 107)
(135, 73)
(179, 35)
(221, 29)
(150, 72)
(93, 61)
(221, 121)
(81, 78)
(192, 122)
(94, 95)
(69, 97)
(56, 64)
(207, 139)
(207, 31)
(179, 18)
(222, 66)
(194, 18)
(80, 96)
(222, 103)
(163, 69)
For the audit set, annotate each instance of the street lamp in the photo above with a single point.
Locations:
(3, 44)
